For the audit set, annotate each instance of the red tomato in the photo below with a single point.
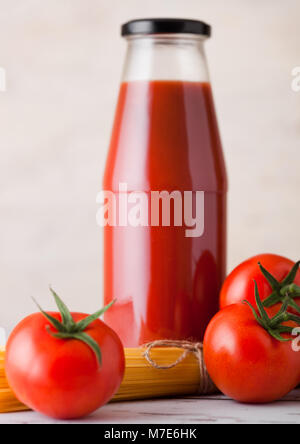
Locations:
(62, 378)
(245, 362)
(239, 285)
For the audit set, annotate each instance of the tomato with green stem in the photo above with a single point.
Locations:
(276, 277)
(249, 354)
(64, 365)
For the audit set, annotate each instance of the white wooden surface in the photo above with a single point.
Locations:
(189, 410)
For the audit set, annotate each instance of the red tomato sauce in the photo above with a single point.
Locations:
(165, 137)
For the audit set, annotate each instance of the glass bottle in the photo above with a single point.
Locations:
(165, 156)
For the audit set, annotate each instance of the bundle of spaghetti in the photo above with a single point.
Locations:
(8, 401)
(142, 380)
(145, 381)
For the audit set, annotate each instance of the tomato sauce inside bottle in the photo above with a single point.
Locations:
(165, 138)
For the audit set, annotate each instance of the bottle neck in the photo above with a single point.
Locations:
(166, 57)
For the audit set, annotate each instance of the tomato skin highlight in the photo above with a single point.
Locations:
(245, 362)
(62, 378)
(239, 285)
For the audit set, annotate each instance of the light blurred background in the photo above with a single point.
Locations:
(63, 60)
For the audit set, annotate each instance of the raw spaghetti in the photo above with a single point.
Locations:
(158, 370)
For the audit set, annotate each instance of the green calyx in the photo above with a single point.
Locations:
(274, 325)
(69, 329)
(285, 290)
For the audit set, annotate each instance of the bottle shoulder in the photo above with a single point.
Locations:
(165, 135)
